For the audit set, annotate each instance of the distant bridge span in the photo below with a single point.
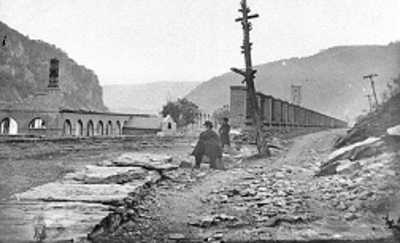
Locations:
(277, 113)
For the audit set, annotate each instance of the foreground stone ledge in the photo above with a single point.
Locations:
(96, 193)
(93, 174)
(62, 220)
(145, 160)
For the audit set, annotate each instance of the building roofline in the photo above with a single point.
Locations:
(102, 113)
(28, 110)
(238, 87)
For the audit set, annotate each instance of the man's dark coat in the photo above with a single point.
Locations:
(209, 145)
(224, 133)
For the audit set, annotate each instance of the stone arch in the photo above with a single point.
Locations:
(100, 128)
(37, 123)
(123, 125)
(109, 128)
(90, 129)
(67, 128)
(79, 128)
(119, 128)
(8, 126)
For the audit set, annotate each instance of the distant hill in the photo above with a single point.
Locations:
(332, 80)
(24, 70)
(144, 98)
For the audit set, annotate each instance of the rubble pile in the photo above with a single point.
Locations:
(289, 201)
(359, 181)
(210, 220)
(358, 184)
(266, 197)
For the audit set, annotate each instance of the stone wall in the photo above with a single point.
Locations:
(94, 124)
(67, 123)
(24, 117)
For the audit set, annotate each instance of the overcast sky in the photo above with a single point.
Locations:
(137, 41)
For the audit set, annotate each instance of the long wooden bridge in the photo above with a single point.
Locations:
(277, 113)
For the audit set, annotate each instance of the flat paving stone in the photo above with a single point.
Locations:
(61, 220)
(101, 172)
(70, 207)
(143, 158)
(58, 191)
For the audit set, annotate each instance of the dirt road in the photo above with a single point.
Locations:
(271, 199)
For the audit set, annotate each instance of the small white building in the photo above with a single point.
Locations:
(168, 126)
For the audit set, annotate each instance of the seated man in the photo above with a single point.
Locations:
(209, 145)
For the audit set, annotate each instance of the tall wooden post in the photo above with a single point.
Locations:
(370, 78)
(369, 101)
(249, 75)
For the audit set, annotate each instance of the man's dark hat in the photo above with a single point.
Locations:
(208, 124)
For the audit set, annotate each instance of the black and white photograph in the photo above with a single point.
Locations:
(190, 121)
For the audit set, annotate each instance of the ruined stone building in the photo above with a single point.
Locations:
(47, 114)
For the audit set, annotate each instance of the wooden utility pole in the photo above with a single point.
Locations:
(371, 78)
(369, 101)
(249, 75)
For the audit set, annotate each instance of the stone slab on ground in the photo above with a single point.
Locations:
(142, 157)
(340, 153)
(75, 203)
(61, 220)
(148, 166)
(145, 160)
(112, 175)
(100, 172)
(394, 131)
(58, 191)
(345, 156)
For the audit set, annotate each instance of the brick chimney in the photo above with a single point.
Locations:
(53, 73)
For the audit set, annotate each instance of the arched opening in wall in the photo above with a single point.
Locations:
(124, 123)
(37, 123)
(79, 128)
(109, 128)
(169, 126)
(8, 126)
(67, 128)
(100, 128)
(119, 128)
(90, 129)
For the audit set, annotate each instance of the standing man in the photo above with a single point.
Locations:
(209, 145)
(224, 133)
